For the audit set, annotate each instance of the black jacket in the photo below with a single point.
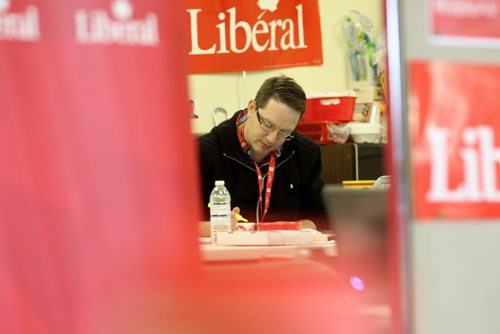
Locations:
(297, 186)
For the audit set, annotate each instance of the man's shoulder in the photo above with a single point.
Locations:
(207, 138)
(209, 144)
(220, 131)
(306, 150)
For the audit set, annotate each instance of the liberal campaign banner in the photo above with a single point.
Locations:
(98, 180)
(455, 142)
(465, 19)
(232, 35)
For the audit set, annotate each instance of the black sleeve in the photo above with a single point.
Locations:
(311, 197)
(209, 157)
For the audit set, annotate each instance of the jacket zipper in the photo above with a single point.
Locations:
(257, 218)
(241, 163)
(253, 169)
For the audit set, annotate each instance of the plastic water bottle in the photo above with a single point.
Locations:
(220, 210)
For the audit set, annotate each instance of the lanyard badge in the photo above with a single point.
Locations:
(263, 204)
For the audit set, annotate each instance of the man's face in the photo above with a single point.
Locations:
(276, 120)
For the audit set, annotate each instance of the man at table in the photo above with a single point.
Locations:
(271, 172)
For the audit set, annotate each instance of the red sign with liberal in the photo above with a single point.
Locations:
(465, 18)
(454, 126)
(89, 207)
(229, 36)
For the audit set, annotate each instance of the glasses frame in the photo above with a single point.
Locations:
(270, 128)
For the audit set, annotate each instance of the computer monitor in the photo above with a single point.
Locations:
(358, 218)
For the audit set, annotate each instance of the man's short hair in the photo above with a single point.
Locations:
(283, 89)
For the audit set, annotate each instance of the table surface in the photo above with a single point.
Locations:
(211, 252)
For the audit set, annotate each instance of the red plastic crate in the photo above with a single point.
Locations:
(316, 130)
(336, 109)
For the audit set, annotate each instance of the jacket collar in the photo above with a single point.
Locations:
(226, 132)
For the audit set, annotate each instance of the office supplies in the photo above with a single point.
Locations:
(382, 182)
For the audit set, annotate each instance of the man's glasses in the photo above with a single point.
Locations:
(269, 127)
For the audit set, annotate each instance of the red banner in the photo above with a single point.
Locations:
(232, 35)
(98, 205)
(455, 124)
(465, 18)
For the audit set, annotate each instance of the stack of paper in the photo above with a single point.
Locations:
(281, 237)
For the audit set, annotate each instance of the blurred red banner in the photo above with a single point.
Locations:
(228, 36)
(455, 143)
(98, 180)
(465, 18)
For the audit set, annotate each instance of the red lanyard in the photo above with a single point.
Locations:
(270, 173)
(269, 185)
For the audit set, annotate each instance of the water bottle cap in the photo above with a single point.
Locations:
(219, 182)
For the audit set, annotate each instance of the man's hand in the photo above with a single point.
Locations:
(234, 220)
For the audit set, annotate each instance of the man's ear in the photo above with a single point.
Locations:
(251, 106)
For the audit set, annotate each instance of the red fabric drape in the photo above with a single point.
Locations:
(97, 174)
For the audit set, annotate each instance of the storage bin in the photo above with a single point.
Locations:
(365, 132)
(336, 109)
(323, 132)
(317, 131)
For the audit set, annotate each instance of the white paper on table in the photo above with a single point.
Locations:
(278, 237)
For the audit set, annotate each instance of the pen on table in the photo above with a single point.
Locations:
(239, 217)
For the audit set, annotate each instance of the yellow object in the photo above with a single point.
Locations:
(241, 219)
(238, 216)
(360, 184)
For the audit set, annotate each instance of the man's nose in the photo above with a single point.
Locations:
(273, 137)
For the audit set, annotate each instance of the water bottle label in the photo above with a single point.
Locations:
(220, 217)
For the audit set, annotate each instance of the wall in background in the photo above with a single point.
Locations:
(232, 91)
